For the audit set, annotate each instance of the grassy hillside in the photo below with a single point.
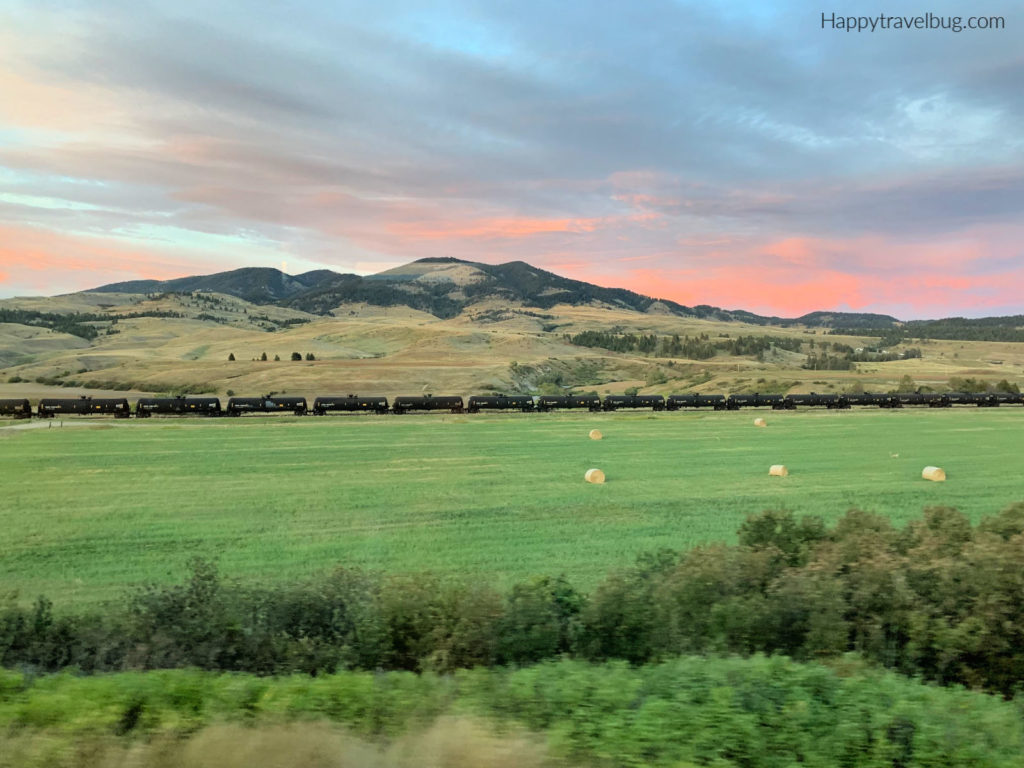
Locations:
(175, 342)
(94, 508)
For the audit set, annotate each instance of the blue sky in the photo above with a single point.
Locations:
(734, 154)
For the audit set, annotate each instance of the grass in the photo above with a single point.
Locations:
(90, 510)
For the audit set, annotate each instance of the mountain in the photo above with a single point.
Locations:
(258, 285)
(444, 287)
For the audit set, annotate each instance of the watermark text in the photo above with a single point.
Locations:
(844, 23)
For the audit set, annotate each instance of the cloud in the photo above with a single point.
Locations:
(37, 260)
(669, 134)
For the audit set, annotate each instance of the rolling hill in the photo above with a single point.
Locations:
(460, 326)
(445, 287)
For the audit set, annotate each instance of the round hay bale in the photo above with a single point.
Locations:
(760, 422)
(594, 476)
(935, 474)
(595, 434)
(778, 470)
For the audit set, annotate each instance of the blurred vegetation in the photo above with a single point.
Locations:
(448, 743)
(755, 713)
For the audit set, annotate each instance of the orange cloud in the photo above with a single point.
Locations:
(796, 275)
(45, 261)
(779, 292)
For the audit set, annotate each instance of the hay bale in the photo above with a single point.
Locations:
(595, 434)
(594, 476)
(935, 474)
(778, 470)
(759, 422)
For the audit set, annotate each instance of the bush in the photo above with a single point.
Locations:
(938, 599)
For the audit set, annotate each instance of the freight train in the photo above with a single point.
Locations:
(146, 407)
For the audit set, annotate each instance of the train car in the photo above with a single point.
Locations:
(675, 402)
(450, 403)
(177, 406)
(834, 401)
(479, 403)
(962, 398)
(803, 400)
(755, 400)
(266, 404)
(878, 399)
(16, 408)
(775, 402)
(85, 406)
(554, 402)
(911, 398)
(615, 402)
(1009, 398)
(350, 404)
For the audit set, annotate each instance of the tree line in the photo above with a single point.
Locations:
(75, 323)
(940, 599)
(1009, 328)
(700, 347)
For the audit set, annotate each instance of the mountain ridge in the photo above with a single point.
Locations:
(445, 286)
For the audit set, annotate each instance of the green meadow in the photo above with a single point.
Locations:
(89, 510)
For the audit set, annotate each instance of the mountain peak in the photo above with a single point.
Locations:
(444, 286)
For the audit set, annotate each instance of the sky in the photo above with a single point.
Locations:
(739, 154)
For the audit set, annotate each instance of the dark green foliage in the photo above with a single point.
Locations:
(76, 323)
(296, 356)
(970, 384)
(539, 621)
(938, 599)
(698, 348)
(259, 285)
(953, 328)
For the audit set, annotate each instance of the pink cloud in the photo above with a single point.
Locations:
(795, 275)
(490, 228)
(49, 262)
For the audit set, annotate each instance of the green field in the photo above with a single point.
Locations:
(88, 510)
